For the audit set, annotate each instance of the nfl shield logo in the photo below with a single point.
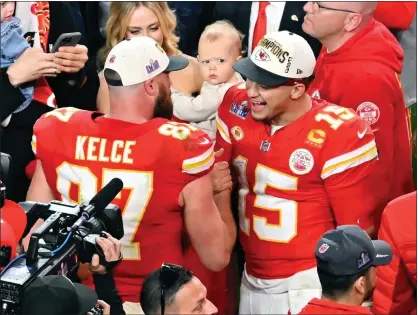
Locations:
(324, 247)
(265, 146)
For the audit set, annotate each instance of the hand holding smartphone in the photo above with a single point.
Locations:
(65, 40)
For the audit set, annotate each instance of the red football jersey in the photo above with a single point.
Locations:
(297, 183)
(82, 151)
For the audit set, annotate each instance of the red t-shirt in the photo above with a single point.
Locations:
(81, 151)
(298, 183)
(317, 306)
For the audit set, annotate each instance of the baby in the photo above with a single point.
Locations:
(13, 44)
(220, 46)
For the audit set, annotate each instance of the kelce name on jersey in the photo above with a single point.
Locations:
(95, 149)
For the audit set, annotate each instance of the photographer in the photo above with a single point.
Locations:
(103, 277)
(58, 295)
(173, 289)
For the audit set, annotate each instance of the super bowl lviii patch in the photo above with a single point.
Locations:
(363, 260)
(301, 162)
(152, 66)
(369, 112)
(239, 110)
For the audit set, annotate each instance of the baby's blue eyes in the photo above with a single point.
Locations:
(220, 60)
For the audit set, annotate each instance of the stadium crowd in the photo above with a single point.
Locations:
(266, 149)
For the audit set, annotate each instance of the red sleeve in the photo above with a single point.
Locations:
(193, 150)
(223, 137)
(393, 293)
(371, 100)
(396, 15)
(349, 172)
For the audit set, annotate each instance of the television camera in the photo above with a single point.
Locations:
(66, 238)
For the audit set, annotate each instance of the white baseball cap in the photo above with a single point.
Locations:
(278, 57)
(138, 59)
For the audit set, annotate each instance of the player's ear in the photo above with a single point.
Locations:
(151, 87)
(297, 91)
(359, 286)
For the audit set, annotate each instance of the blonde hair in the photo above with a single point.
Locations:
(118, 23)
(221, 29)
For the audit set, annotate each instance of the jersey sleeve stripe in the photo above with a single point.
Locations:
(200, 169)
(346, 161)
(33, 143)
(223, 129)
(199, 163)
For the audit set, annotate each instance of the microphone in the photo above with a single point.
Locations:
(100, 201)
(107, 194)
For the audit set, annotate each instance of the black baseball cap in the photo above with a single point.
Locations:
(348, 250)
(57, 295)
(278, 57)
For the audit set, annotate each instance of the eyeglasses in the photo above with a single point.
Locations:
(317, 6)
(169, 274)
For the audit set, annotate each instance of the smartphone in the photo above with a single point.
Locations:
(66, 39)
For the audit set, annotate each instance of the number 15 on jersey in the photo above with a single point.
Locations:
(286, 229)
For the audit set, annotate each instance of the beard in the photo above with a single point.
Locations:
(370, 289)
(163, 105)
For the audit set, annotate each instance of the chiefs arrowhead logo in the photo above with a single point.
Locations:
(261, 55)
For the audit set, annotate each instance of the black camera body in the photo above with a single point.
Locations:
(66, 238)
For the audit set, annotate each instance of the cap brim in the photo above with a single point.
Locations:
(86, 296)
(383, 253)
(248, 69)
(15, 216)
(176, 63)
